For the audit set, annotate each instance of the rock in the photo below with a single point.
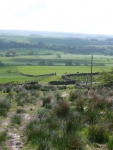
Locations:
(18, 143)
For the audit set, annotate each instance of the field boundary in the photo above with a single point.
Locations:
(29, 75)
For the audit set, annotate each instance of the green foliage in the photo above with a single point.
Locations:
(68, 125)
(46, 101)
(77, 64)
(110, 144)
(68, 63)
(97, 134)
(105, 77)
(37, 133)
(24, 97)
(1, 64)
(11, 52)
(14, 75)
(91, 115)
(58, 56)
(80, 105)
(16, 119)
(73, 95)
(68, 141)
(50, 64)
(30, 52)
(4, 106)
(3, 137)
(20, 110)
(55, 128)
(100, 64)
(42, 63)
(62, 108)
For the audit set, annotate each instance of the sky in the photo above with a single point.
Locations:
(77, 16)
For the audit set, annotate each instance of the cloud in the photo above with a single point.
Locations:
(85, 16)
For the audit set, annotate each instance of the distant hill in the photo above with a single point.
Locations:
(53, 34)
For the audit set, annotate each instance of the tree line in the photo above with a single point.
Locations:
(58, 47)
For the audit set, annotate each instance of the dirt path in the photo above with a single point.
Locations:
(14, 142)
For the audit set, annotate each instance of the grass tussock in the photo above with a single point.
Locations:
(5, 105)
(16, 119)
(71, 123)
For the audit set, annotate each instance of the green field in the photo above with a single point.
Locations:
(29, 65)
(75, 56)
(38, 70)
(8, 74)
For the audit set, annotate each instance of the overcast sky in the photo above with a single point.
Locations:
(80, 16)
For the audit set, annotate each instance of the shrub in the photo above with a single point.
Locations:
(20, 102)
(111, 93)
(80, 105)
(25, 97)
(42, 63)
(62, 108)
(68, 63)
(110, 144)
(73, 122)
(77, 64)
(46, 101)
(20, 110)
(3, 136)
(52, 124)
(44, 145)
(74, 95)
(91, 115)
(57, 95)
(50, 63)
(97, 134)
(4, 107)
(108, 118)
(36, 132)
(68, 141)
(16, 119)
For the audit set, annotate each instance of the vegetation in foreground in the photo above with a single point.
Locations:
(47, 118)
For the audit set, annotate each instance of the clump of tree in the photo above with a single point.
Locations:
(30, 52)
(85, 64)
(58, 56)
(106, 77)
(100, 64)
(49, 63)
(42, 63)
(1, 64)
(10, 53)
(77, 64)
(68, 63)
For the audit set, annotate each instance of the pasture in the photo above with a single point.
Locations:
(11, 73)
(75, 58)
(46, 61)
(31, 64)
